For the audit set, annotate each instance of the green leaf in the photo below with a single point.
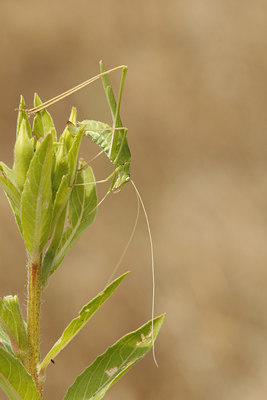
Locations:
(57, 228)
(43, 122)
(8, 174)
(61, 198)
(81, 213)
(61, 165)
(4, 339)
(36, 202)
(7, 182)
(82, 204)
(73, 155)
(48, 264)
(67, 158)
(13, 325)
(94, 382)
(15, 380)
(78, 323)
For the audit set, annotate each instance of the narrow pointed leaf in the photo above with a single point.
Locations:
(81, 213)
(10, 190)
(15, 209)
(15, 380)
(61, 199)
(7, 172)
(12, 323)
(48, 265)
(36, 202)
(94, 382)
(4, 340)
(61, 166)
(73, 155)
(78, 323)
(7, 182)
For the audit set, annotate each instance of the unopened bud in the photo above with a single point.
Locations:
(23, 153)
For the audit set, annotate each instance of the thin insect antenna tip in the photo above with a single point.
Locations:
(154, 357)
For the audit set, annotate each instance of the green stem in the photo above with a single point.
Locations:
(34, 303)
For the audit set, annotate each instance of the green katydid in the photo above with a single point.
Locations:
(113, 142)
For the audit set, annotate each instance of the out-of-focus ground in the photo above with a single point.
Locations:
(195, 105)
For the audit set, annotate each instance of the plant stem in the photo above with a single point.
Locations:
(34, 303)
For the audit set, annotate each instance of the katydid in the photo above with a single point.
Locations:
(118, 152)
(113, 142)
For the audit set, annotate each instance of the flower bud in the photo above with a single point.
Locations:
(67, 135)
(23, 153)
(61, 165)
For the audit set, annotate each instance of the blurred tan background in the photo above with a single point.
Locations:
(195, 105)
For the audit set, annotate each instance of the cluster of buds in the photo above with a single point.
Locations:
(51, 191)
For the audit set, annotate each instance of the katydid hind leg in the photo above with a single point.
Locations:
(67, 93)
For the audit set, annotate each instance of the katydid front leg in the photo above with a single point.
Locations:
(114, 108)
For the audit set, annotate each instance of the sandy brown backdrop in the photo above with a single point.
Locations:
(195, 106)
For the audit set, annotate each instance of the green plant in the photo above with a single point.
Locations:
(53, 197)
